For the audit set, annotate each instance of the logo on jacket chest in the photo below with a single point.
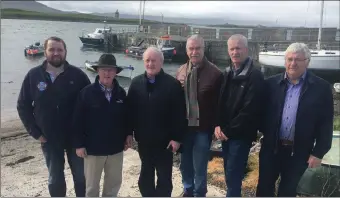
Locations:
(42, 86)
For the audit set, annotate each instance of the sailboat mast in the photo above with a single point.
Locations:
(140, 13)
(143, 10)
(320, 28)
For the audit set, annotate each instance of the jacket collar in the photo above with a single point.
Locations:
(160, 74)
(308, 77)
(245, 69)
(98, 85)
(203, 64)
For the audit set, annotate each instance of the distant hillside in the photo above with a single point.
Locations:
(75, 17)
(198, 21)
(39, 7)
(29, 6)
(218, 22)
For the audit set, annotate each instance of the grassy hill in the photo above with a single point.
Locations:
(74, 17)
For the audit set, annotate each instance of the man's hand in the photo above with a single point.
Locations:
(42, 139)
(175, 145)
(81, 152)
(219, 134)
(128, 142)
(313, 162)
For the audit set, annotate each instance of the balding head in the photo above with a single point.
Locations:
(153, 61)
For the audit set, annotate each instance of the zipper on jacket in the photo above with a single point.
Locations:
(279, 120)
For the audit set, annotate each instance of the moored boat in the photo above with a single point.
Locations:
(324, 63)
(34, 50)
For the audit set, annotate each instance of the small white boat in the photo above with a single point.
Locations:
(323, 63)
(126, 72)
(320, 59)
(88, 66)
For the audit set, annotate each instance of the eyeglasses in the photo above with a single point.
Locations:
(289, 60)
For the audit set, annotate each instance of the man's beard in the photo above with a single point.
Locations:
(56, 63)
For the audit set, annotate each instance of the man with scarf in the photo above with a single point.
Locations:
(201, 82)
(239, 112)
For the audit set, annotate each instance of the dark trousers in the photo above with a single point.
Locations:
(155, 159)
(55, 161)
(235, 157)
(290, 168)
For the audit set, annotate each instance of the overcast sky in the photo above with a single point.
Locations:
(296, 13)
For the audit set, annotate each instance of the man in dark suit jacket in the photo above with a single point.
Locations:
(299, 113)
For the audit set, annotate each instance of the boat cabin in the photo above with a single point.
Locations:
(99, 33)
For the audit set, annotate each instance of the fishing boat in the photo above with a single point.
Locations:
(126, 72)
(324, 63)
(96, 38)
(34, 50)
(163, 44)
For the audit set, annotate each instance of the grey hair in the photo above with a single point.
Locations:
(298, 48)
(156, 50)
(196, 37)
(239, 37)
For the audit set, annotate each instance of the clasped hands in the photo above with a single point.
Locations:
(81, 152)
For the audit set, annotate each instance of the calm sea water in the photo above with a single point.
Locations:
(16, 34)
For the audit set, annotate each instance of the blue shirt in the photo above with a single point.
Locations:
(151, 80)
(287, 129)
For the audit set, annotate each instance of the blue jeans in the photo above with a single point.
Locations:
(55, 161)
(235, 157)
(194, 163)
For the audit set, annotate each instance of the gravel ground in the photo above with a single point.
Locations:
(24, 173)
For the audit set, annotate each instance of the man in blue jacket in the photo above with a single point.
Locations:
(101, 135)
(45, 106)
(298, 124)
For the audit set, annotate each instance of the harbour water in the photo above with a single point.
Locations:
(16, 34)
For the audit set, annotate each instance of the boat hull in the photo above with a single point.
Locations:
(326, 67)
(317, 62)
(137, 52)
(97, 42)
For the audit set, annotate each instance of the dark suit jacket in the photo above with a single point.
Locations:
(314, 119)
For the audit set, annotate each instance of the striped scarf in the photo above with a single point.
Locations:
(190, 88)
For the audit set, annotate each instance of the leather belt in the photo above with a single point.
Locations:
(286, 142)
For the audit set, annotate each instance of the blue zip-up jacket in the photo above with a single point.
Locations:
(46, 108)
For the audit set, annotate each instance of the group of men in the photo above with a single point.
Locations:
(95, 123)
